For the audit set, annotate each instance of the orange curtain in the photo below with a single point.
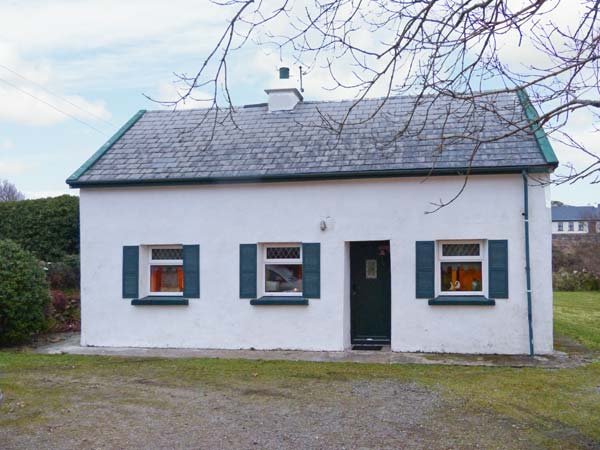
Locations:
(180, 277)
(156, 279)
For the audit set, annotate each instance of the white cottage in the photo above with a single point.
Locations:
(264, 229)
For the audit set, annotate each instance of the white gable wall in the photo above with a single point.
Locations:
(219, 218)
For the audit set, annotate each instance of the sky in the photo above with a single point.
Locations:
(94, 60)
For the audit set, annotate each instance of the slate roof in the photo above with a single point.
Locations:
(567, 213)
(171, 146)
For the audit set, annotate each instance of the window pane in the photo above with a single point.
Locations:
(283, 278)
(167, 253)
(571, 226)
(461, 276)
(283, 252)
(460, 249)
(166, 278)
(581, 226)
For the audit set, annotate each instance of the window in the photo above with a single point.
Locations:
(561, 226)
(580, 226)
(571, 226)
(283, 269)
(166, 270)
(461, 267)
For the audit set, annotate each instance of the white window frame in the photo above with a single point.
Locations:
(483, 258)
(581, 227)
(571, 226)
(561, 227)
(162, 262)
(264, 261)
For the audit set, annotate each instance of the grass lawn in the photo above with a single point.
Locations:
(111, 402)
(577, 316)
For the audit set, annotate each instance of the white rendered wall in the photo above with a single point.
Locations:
(219, 218)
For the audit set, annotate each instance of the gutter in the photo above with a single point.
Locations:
(527, 260)
(317, 176)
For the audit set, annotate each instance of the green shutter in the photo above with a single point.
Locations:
(131, 266)
(311, 270)
(248, 271)
(498, 269)
(191, 271)
(425, 268)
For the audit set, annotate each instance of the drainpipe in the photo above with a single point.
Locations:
(527, 263)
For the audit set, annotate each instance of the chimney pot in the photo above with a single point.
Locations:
(284, 73)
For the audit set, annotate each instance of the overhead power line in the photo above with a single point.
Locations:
(54, 94)
(52, 106)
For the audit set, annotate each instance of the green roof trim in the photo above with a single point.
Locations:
(321, 176)
(538, 130)
(102, 150)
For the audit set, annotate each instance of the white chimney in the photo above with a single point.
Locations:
(283, 96)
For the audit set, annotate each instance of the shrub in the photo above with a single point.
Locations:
(63, 312)
(581, 254)
(23, 294)
(64, 274)
(575, 280)
(47, 227)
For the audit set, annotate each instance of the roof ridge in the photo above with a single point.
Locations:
(314, 102)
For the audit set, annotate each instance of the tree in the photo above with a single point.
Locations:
(9, 192)
(433, 49)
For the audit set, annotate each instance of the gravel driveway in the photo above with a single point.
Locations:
(139, 413)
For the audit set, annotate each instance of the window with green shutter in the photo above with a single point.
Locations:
(171, 274)
(461, 278)
(280, 273)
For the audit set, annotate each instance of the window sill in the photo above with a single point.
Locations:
(160, 300)
(272, 300)
(462, 300)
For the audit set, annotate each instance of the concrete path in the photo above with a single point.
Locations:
(69, 344)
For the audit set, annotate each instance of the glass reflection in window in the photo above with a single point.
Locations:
(283, 278)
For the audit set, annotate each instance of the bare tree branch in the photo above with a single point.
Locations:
(434, 50)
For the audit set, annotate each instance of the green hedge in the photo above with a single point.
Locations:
(24, 294)
(47, 227)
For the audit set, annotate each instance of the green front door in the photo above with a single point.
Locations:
(370, 292)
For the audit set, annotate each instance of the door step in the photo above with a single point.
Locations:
(367, 347)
